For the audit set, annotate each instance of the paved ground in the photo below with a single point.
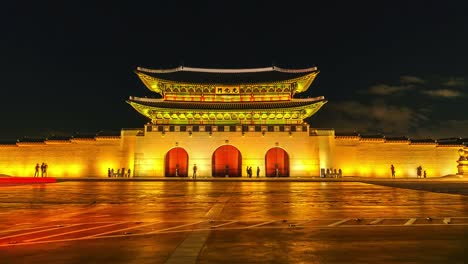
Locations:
(234, 222)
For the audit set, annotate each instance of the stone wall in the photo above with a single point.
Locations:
(308, 151)
(87, 157)
(373, 157)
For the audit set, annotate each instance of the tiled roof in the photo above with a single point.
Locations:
(400, 138)
(84, 135)
(31, 140)
(61, 138)
(109, 133)
(346, 134)
(228, 105)
(372, 136)
(423, 141)
(228, 77)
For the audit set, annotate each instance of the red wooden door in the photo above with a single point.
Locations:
(227, 160)
(176, 163)
(277, 163)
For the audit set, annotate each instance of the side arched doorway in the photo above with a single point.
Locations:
(277, 163)
(176, 163)
(226, 160)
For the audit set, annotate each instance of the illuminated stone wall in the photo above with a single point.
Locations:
(144, 153)
(373, 157)
(68, 158)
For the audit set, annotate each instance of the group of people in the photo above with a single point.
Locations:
(419, 171)
(250, 172)
(118, 173)
(333, 172)
(42, 169)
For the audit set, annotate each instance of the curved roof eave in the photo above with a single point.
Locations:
(152, 82)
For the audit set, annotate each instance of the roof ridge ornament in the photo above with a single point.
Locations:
(246, 70)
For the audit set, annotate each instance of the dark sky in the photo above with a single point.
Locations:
(391, 67)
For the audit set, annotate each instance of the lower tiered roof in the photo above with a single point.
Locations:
(160, 103)
(162, 111)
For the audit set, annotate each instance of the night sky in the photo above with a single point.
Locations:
(398, 68)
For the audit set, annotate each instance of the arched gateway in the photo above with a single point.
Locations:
(226, 161)
(277, 163)
(176, 163)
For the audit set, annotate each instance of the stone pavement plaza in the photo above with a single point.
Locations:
(216, 221)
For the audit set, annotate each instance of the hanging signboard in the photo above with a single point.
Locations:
(227, 90)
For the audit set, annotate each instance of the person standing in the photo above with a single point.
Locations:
(392, 169)
(42, 169)
(424, 174)
(129, 172)
(258, 171)
(36, 173)
(419, 171)
(45, 169)
(194, 171)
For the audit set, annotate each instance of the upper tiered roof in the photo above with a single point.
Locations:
(158, 80)
(227, 76)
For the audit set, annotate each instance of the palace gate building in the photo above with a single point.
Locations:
(225, 120)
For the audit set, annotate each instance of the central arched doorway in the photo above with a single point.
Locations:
(227, 160)
(176, 163)
(277, 163)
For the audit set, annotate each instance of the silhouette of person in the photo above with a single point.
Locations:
(425, 174)
(392, 169)
(36, 173)
(42, 169)
(45, 169)
(258, 171)
(129, 172)
(419, 171)
(194, 171)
